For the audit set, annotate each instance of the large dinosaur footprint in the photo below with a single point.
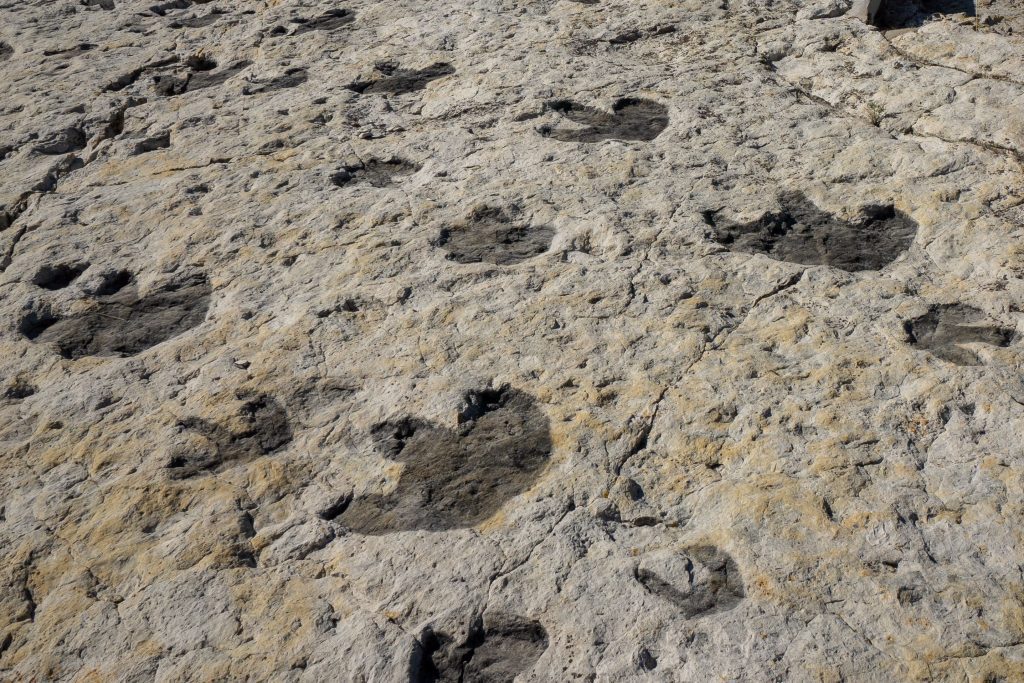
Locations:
(630, 119)
(457, 478)
(800, 232)
(123, 323)
(331, 20)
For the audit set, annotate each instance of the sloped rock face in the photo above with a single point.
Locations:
(540, 341)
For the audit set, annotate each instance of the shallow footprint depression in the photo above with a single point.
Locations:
(491, 236)
(631, 118)
(123, 324)
(945, 328)
(800, 232)
(455, 478)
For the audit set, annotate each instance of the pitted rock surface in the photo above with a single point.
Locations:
(563, 340)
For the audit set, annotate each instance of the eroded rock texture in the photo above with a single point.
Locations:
(562, 340)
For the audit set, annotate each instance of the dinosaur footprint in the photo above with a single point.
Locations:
(329, 21)
(123, 323)
(800, 232)
(631, 118)
(491, 235)
(944, 328)
(496, 650)
(260, 427)
(401, 81)
(457, 478)
(701, 580)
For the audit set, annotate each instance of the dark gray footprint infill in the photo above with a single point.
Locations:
(701, 580)
(631, 118)
(289, 79)
(260, 428)
(397, 81)
(58, 276)
(456, 478)
(945, 328)
(374, 172)
(800, 232)
(201, 75)
(495, 651)
(198, 21)
(330, 20)
(492, 236)
(123, 324)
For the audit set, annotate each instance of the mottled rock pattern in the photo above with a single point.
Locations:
(544, 341)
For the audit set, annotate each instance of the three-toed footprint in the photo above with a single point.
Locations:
(631, 118)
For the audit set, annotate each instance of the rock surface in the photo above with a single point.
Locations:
(485, 340)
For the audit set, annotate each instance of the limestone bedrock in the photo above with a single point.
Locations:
(552, 340)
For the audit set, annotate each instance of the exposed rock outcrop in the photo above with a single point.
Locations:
(561, 340)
